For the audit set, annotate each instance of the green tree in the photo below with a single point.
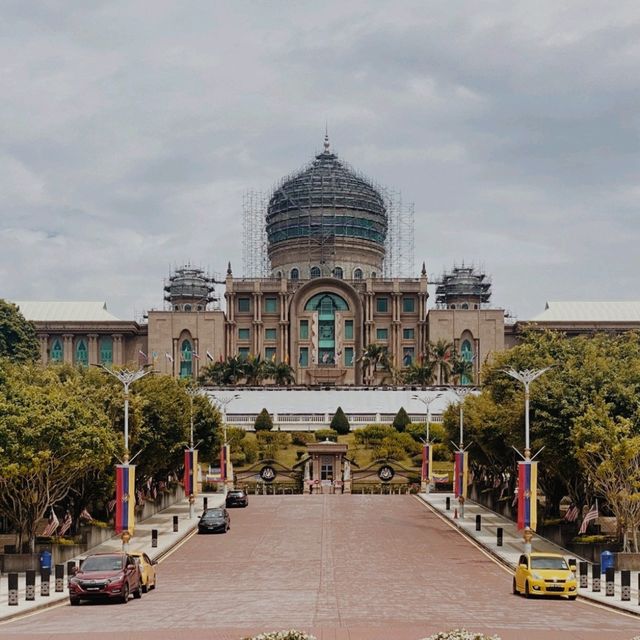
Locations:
(441, 352)
(401, 420)
(374, 356)
(461, 369)
(340, 422)
(18, 339)
(422, 373)
(281, 373)
(263, 421)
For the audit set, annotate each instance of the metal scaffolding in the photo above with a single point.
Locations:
(400, 240)
(255, 263)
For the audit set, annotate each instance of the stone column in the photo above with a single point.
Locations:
(68, 347)
(93, 349)
(44, 347)
(118, 355)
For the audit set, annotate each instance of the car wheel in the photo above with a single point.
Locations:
(145, 588)
(155, 582)
(125, 594)
(527, 593)
(572, 597)
(74, 601)
(515, 589)
(137, 594)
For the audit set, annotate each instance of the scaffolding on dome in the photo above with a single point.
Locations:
(255, 263)
(463, 284)
(399, 243)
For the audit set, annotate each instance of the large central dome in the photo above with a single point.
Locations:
(323, 206)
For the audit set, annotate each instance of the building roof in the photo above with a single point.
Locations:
(625, 311)
(56, 311)
(352, 401)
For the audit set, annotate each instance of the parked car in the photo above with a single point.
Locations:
(106, 576)
(214, 520)
(544, 574)
(237, 498)
(148, 574)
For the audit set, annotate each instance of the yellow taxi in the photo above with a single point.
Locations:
(148, 576)
(544, 574)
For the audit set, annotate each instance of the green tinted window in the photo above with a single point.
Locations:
(408, 334)
(408, 305)
(244, 304)
(244, 334)
(57, 352)
(270, 354)
(348, 329)
(382, 305)
(270, 305)
(304, 329)
(348, 357)
(270, 334)
(304, 357)
(106, 350)
(382, 334)
(82, 355)
(243, 352)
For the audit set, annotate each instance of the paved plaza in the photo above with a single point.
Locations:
(354, 567)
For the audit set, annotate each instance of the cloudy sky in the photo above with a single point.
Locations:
(130, 130)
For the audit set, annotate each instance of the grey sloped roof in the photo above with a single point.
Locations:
(603, 311)
(64, 311)
(352, 401)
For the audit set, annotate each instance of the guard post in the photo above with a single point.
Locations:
(595, 577)
(499, 534)
(175, 524)
(205, 502)
(478, 522)
(45, 579)
(448, 503)
(59, 569)
(625, 583)
(30, 591)
(584, 575)
(13, 589)
(71, 568)
(610, 577)
(154, 538)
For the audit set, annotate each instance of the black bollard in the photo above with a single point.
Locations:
(13, 589)
(610, 577)
(59, 574)
(584, 575)
(499, 535)
(573, 563)
(639, 588)
(448, 504)
(71, 568)
(30, 593)
(45, 578)
(175, 524)
(478, 522)
(205, 502)
(595, 577)
(154, 538)
(625, 583)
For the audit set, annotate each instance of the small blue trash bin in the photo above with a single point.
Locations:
(607, 561)
(45, 560)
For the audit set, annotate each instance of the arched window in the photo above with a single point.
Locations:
(278, 274)
(295, 274)
(373, 274)
(186, 362)
(337, 272)
(466, 354)
(57, 351)
(315, 272)
(453, 306)
(106, 350)
(464, 305)
(357, 274)
(326, 305)
(82, 355)
(200, 307)
(176, 307)
(187, 307)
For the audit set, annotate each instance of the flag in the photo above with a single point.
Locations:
(209, 356)
(154, 356)
(66, 524)
(190, 470)
(195, 355)
(427, 456)
(52, 525)
(527, 495)
(85, 515)
(460, 476)
(110, 505)
(572, 514)
(139, 496)
(125, 497)
(142, 354)
(591, 515)
(169, 357)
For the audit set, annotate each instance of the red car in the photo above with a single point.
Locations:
(106, 575)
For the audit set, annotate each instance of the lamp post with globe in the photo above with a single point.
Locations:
(427, 401)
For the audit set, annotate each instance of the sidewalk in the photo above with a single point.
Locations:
(513, 546)
(141, 541)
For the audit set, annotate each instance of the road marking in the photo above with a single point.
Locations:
(506, 569)
(166, 554)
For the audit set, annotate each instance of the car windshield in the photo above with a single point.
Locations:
(548, 562)
(216, 513)
(236, 493)
(102, 563)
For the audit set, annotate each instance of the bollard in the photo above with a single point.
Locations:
(13, 589)
(595, 577)
(478, 522)
(45, 577)
(175, 524)
(154, 538)
(71, 568)
(639, 588)
(205, 502)
(455, 513)
(59, 574)
(499, 536)
(625, 583)
(584, 575)
(30, 592)
(609, 585)
(448, 504)
(573, 563)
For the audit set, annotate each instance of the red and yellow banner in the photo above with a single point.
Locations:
(125, 497)
(527, 494)
(461, 474)
(190, 472)
(427, 462)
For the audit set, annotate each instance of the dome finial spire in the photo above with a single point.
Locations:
(326, 137)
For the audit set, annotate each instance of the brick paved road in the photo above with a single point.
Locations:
(344, 567)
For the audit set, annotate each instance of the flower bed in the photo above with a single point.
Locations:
(460, 634)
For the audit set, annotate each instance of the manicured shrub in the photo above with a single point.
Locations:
(373, 434)
(302, 437)
(263, 421)
(326, 434)
(250, 450)
(401, 420)
(340, 422)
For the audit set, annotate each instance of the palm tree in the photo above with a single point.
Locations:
(441, 351)
(281, 372)
(373, 356)
(422, 374)
(255, 370)
(461, 369)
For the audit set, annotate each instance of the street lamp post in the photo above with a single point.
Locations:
(223, 402)
(462, 392)
(426, 401)
(526, 377)
(192, 391)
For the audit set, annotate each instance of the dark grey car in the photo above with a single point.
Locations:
(214, 521)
